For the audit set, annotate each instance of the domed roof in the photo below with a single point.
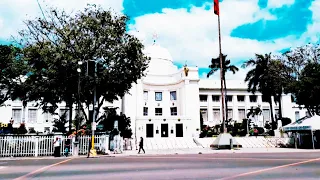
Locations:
(161, 62)
(158, 52)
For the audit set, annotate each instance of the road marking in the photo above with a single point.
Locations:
(257, 159)
(41, 169)
(269, 169)
(2, 167)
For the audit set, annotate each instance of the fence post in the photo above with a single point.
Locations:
(106, 144)
(36, 148)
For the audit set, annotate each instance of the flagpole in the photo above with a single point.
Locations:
(221, 79)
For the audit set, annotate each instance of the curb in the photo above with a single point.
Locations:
(233, 151)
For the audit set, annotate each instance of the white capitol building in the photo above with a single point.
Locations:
(166, 102)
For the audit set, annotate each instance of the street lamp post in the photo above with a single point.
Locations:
(93, 126)
(76, 143)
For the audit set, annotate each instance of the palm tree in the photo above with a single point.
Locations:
(262, 79)
(253, 113)
(215, 66)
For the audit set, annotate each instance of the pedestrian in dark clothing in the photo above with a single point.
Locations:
(67, 147)
(141, 145)
(89, 148)
(56, 145)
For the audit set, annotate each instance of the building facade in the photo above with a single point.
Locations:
(167, 102)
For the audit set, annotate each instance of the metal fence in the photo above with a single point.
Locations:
(28, 146)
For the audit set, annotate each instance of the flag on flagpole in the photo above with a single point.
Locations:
(216, 7)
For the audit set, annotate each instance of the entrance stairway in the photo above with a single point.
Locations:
(189, 142)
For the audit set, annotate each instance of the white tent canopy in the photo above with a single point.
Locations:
(311, 124)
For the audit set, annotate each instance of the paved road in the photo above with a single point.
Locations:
(201, 166)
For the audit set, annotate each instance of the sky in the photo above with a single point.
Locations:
(189, 28)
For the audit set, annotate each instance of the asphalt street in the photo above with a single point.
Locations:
(199, 166)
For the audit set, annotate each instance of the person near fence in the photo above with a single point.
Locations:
(56, 145)
(141, 145)
(67, 147)
(89, 147)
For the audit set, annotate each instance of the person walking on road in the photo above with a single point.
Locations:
(56, 145)
(141, 145)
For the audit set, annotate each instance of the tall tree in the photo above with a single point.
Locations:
(124, 123)
(259, 79)
(307, 88)
(12, 69)
(54, 45)
(302, 64)
(215, 66)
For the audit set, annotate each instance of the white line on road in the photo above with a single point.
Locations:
(3, 167)
(217, 158)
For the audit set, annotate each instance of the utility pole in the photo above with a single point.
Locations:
(93, 151)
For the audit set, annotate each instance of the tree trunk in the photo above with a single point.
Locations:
(280, 107)
(70, 115)
(273, 123)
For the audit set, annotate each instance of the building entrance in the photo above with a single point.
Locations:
(149, 131)
(179, 130)
(164, 130)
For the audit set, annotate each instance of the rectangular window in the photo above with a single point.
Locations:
(173, 111)
(216, 114)
(297, 115)
(173, 95)
(145, 111)
(204, 114)
(158, 96)
(48, 118)
(230, 114)
(17, 115)
(215, 98)
(242, 114)
(253, 98)
(240, 98)
(203, 98)
(266, 115)
(229, 98)
(158, 111)
(32, 115)
(145, 95)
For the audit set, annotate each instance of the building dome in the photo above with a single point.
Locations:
(158, 52)
(161, 62)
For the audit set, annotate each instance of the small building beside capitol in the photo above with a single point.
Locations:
(167, 102)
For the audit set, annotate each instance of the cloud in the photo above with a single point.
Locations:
(280, 3)
(240, 75)
(313, 33)
(13, 12)
(192, 34)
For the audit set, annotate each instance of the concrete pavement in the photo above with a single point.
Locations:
(295, 165)
(182, 151)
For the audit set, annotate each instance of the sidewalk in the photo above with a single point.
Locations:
(211, 151)
(179, 151)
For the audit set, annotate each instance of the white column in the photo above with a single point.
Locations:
(312, 139)
(209, 108)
